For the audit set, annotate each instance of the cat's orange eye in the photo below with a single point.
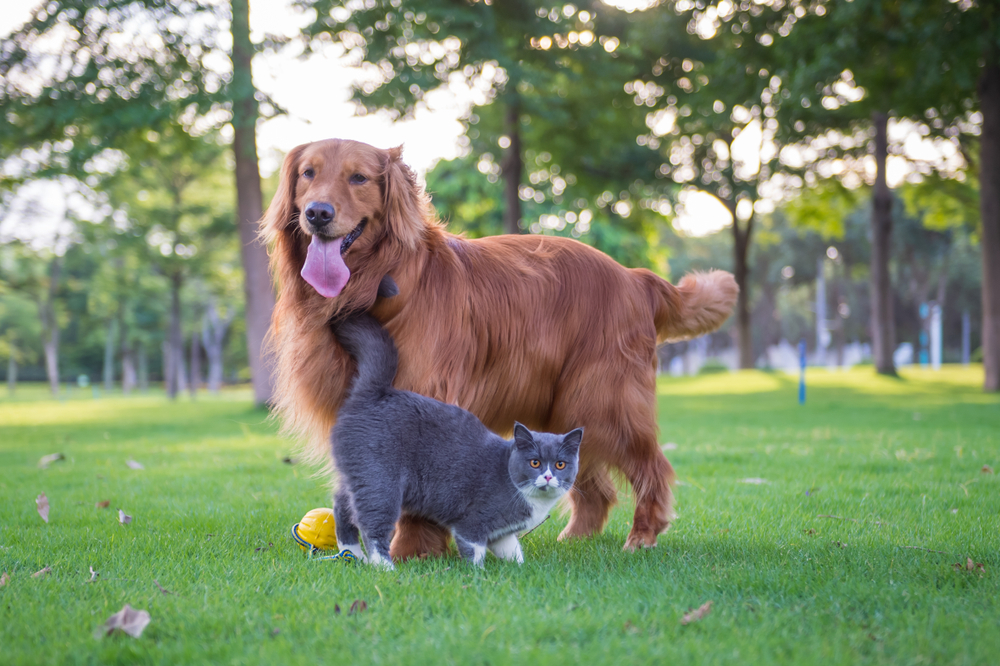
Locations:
(535, 463)
(560, 465)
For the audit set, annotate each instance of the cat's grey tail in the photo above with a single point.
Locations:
(373, 350)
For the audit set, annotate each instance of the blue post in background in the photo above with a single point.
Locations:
(802, 372)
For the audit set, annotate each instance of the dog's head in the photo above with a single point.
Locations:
(343, 212)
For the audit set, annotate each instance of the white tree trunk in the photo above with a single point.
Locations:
(11, 373)
(109, 357)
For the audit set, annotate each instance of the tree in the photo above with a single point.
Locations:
(37, 275)
(20, 328)
(851, 66)
(91, 95)
(168, 192)
(550, 106)
(716, 102)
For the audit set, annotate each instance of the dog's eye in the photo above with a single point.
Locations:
(560, 465)
(308, 173)
(535, 463)
(358, 179)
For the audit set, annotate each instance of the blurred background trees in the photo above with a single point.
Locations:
(851, 150)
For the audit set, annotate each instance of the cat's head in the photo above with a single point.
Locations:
(542, 464)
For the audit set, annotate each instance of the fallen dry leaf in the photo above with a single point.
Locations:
(124, 518)
(842, 544)
(697, 614)
(359, 606)
(103, 504)
(4, 579)
(160, 587)
(336, 609)
(129, 620)
(42, 572)
(630, 628)
(134, 465)
(93, 575)
(45, 461)
(42, 504)
(810, 532)
(970, 566)
(986, 469)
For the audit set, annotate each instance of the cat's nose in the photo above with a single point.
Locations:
(548, 477)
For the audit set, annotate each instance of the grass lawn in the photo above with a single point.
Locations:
(813, 530)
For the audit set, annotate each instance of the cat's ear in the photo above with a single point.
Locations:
(571, 442)
(523, 439)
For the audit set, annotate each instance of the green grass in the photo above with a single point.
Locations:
(898, 461)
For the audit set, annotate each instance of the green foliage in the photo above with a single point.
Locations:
(91, 94)
(561, 70)
(825, 207)
(469, 202)
(789, 585)
(944, 203)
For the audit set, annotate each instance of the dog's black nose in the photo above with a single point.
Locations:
(318, 214)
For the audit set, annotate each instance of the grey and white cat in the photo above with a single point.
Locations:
(397, 451)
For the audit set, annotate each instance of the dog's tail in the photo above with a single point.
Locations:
(699, 304)
(373, 350)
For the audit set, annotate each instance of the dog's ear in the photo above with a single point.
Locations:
(279, 214)
(404, 206)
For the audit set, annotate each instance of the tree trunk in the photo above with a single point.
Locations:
(50, 327)
(173, 357)
(143, 368)
(11, 373)
(882, 320)
(169, 367)
(195, 364)
(213, 334)
(989, 207)
(249, 205)
(128, 369)
(744, 334)
(128, 356)
(181, 362)
(511, 168)
(109, 356)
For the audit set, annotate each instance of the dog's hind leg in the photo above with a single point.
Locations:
(642, 462)
(417, 537)
(651, 476)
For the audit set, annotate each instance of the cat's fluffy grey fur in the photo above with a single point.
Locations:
(397, 451)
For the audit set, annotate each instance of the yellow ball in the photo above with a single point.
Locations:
(316, 531)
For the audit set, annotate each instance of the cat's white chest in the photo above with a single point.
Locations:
(540, 508)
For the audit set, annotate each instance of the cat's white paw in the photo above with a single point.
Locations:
(377, 560)
(354, 548)
(508, 548)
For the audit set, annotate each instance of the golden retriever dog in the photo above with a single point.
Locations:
(544, 330)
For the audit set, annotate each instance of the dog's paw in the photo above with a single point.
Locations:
(638, 540)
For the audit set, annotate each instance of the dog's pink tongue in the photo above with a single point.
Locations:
(325, 269)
